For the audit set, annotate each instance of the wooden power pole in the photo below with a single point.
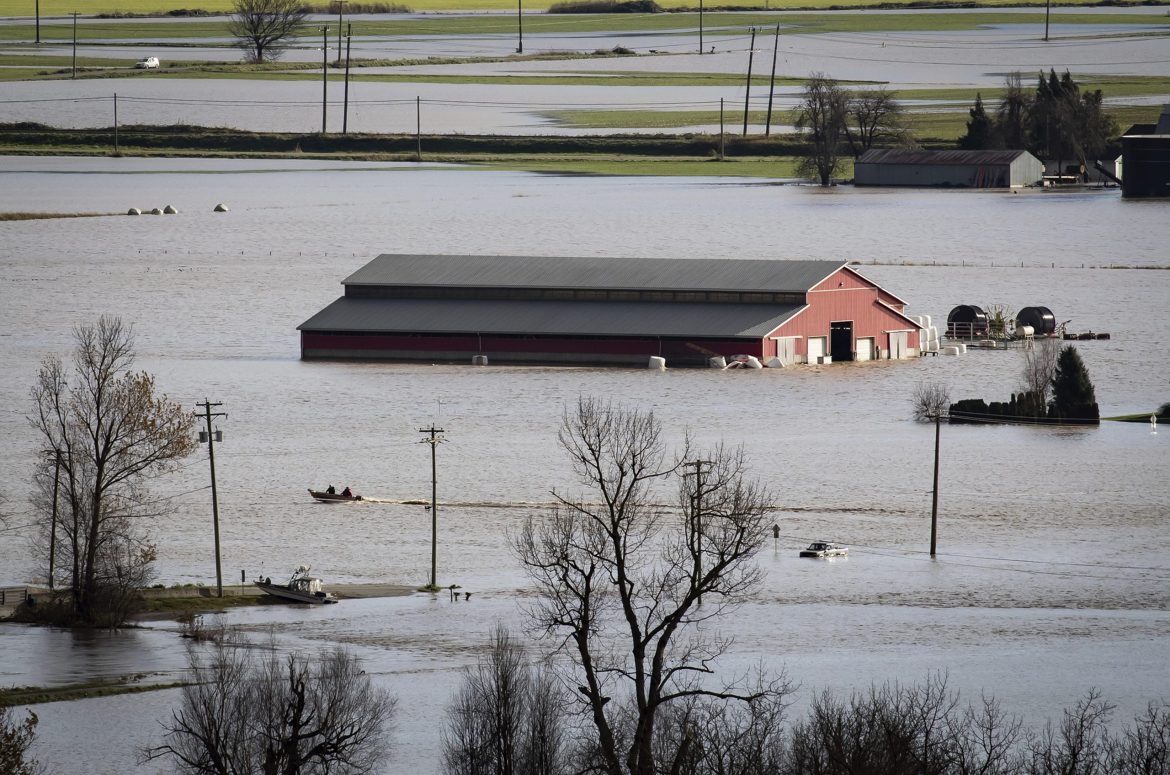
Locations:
(934, 495)
(434, 440)
(210, 437)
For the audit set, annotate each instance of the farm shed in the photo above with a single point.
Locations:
(523, 309)
(954, 169)
(1145, 154)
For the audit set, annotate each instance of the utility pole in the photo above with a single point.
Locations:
(1047, 9)
(74, 45)
(697, 517)
(772, 82)
(210, 437)
(700, 27)
(434, 441)
(418, 128)
(934, 497)
(345, 108)
(38, 22)
(747, 92)
(324, 74)
(115, 123)
(53, 526)
(720, 129)
(340, 7)
(520, 26)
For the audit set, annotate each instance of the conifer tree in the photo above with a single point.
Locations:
(981, 133)
(1073, 397)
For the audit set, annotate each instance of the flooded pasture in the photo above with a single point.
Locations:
(480, 98)
(1052, 574)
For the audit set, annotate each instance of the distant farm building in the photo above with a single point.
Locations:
(516, 309)
(953, 169)
(1145, 154)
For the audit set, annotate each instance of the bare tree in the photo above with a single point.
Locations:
(108, 430)
(931, 400)
(291, 715)
(1040, 368)
(16, 737)
(508, 718)
(624, 585)
(821, 117)
(265, 28)
(892, 730)
(985, 740)
(1144, 749)
(874, 116)
(1078, 745)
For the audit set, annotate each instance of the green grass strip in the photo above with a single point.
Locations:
(744, 167)
(33, 695)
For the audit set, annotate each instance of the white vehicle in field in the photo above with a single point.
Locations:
(824, 549)
(147, 63)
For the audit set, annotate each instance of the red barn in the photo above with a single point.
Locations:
(518, 309)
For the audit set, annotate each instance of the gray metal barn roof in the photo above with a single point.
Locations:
(697, 274)
(905, 156)
(565, 318)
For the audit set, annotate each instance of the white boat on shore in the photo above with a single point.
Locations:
(301, 588)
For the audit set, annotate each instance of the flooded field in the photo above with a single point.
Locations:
(478, 97)
(1052, 575)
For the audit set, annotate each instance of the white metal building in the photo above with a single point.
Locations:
(953, 169)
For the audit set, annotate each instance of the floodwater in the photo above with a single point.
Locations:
(1052, 575)
(969, 58)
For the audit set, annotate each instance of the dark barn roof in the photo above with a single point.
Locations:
(696, 274)
(904, 156)
(551, 318)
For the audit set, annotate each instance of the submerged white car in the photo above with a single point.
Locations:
(823, 549)
(147, 63)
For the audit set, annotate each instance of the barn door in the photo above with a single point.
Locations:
(898, 344)
(816, 348)
(786, 350)
(841, 340)
(864, 349)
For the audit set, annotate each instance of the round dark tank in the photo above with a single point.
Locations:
(967, 320)
(1041, 319)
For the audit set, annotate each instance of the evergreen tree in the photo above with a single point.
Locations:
(981, 133)
(1073, 397)
(1012, 116)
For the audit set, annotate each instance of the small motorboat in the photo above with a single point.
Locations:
(301, 588)
(333, 497)
(824, 549)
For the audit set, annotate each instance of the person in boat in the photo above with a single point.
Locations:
(346, 492)
(331, 490)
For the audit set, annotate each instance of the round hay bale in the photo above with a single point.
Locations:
(221, 208)
(169, 210)
(156, 211)
(133, 211)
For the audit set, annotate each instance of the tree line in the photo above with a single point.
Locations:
(1056, 120)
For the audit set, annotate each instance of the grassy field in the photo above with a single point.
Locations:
(49, 8)
(750, 167)
(31, 695)
(715, 24)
